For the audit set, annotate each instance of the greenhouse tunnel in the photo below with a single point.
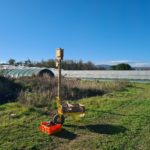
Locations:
(27, 72)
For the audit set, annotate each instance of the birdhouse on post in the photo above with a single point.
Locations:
(59, 55)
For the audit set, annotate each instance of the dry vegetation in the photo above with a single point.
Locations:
(40, 92)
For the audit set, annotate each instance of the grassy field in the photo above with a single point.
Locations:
(117, 120)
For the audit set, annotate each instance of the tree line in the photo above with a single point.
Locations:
(68, 65)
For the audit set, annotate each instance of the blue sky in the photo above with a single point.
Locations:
(98, 30)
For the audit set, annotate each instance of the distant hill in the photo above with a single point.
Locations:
(109, 67)
(141, 68)
(104, 67)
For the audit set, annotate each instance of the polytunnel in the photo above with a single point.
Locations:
(27, 72)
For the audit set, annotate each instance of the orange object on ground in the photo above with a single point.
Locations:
(50, 129)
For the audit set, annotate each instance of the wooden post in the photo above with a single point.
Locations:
(59, 57)
(59, 78)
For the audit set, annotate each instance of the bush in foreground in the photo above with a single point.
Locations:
(9, 90)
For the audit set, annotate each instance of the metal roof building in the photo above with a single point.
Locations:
(26, 72)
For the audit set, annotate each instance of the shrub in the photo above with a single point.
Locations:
(9, 90)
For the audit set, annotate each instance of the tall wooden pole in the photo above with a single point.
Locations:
(59, 78)
(59, 57)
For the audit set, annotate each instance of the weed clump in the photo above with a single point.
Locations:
(9, 90)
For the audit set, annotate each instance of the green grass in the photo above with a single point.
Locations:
(118, 120)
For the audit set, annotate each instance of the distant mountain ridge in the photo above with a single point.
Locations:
(109, 67)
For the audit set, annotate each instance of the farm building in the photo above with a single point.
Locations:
(82, 74)
(27, 72)
(108, 74)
